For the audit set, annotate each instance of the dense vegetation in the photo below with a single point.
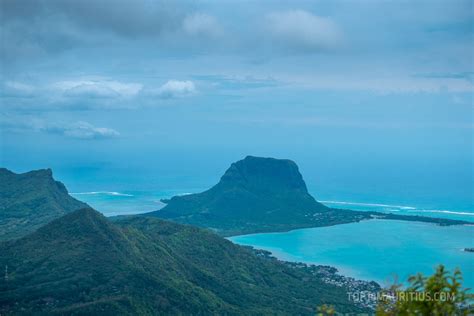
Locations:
(30, 200)
(440, 294)
(82, 263)
(263, 195)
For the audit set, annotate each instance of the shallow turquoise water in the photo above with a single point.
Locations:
(112, 203)
(374, 250)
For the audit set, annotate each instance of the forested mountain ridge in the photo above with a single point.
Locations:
(30, 200)
(83, 263)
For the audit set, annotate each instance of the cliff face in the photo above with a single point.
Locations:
(253, 194)
(30, 200)
(264, 176)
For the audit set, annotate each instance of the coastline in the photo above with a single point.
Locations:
(365, 290)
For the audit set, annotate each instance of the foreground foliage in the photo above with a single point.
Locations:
(440, 294)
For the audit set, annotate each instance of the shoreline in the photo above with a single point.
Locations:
(331, 275)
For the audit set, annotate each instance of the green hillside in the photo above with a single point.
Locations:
(30, 200)
(82, 263)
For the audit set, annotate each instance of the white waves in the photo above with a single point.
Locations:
(102, 193)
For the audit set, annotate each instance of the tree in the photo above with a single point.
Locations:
(440, 294)
(326, 310)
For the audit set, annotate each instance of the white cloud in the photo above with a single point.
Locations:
(91, 91)
(201, 24)
(176, 88)
(89, 94)
(302, 30)
(84, 130)
(79, 129)
(97, 88)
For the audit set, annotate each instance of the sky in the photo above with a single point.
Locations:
(370, 98)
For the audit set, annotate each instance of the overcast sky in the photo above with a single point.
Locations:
(128, 83)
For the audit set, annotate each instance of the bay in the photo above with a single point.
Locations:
(379, 250)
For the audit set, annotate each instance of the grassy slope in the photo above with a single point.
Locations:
(82, 263)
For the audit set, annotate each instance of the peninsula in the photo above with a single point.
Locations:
(257, 195)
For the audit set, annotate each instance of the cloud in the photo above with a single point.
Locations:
(70, 94)
(151, 41)
(201, 24)
(39, 28)
(82, 130)
(176, 88)
(89, 93)
(129, 18)
(302, 31)
(228, 83)
(97, 88)
(16, 89)
(77, 130)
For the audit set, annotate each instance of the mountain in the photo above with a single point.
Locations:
(30, 200)
(82, 264)
(255, 195)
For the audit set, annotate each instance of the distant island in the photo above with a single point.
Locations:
(257, 195)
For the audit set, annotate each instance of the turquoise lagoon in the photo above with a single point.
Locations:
(112, 203)
(379, 250)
